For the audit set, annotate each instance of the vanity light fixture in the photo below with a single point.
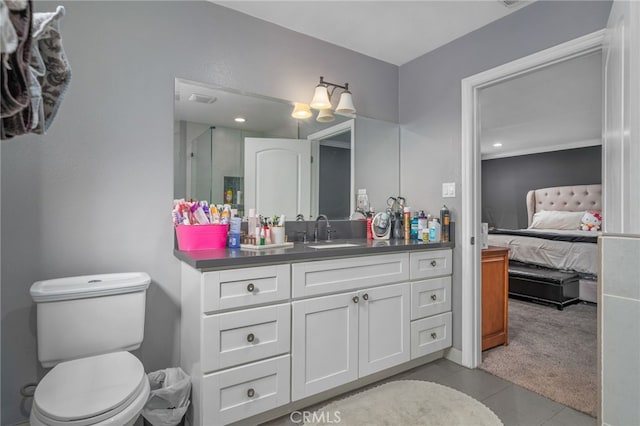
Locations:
(322, 97)
(325, 116)
(301, 111)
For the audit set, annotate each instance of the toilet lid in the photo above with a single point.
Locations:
(88, 387)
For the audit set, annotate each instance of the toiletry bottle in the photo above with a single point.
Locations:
(369, 221)
(251, 226)
(407, 223)
(422, 224)
(434, 231)
(228, 196)
(362, 201)
(262, 236)
(414, 226)
(445, 218)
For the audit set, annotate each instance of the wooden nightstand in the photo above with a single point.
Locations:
(495, 297)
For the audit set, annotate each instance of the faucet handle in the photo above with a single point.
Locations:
(329, 232)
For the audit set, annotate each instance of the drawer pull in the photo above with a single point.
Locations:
(251, 393)
(250, 337)
(365, 296)
(434, 335)
(434, 297)
(251, 288)
(434, 263)
(355, 299)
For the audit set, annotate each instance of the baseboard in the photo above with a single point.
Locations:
(454, 355)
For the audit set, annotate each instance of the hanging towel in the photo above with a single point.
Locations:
(15, 106)
(50, 70)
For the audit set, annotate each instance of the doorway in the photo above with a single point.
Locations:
(471, 178)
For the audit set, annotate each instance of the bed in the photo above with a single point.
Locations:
(553, 239)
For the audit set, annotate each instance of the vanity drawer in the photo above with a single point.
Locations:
(430, 297)
(236, 288)
(429, 264)
(242, 392)
(244, 336)
(328, 276)
(431, 334)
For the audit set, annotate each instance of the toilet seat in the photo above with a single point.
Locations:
(90, 390)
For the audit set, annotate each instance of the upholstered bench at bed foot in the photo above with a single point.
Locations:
(545, 285)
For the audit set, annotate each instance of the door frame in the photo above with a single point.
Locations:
(471, 177)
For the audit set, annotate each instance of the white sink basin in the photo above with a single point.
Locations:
(337, 245)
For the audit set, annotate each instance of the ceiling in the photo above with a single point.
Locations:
(556, 107)
(391, 31)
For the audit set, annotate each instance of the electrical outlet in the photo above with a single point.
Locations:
(449, 190)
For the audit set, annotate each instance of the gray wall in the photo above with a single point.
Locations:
(429, 102)
(94, 194)
(506, 181)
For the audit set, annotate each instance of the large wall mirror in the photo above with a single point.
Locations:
(246, 150)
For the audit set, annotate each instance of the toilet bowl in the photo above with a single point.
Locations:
(106, 389)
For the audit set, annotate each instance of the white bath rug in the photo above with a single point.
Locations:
(407, 403)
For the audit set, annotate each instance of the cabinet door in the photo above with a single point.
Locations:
(325, 343)
(384, 327)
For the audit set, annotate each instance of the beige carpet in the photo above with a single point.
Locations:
(550, 352)
(407, 403)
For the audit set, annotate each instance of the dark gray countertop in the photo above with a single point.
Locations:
(232, 258)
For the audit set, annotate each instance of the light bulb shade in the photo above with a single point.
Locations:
(345, 106)
(301, 111)
(321, 98)
(325, 116)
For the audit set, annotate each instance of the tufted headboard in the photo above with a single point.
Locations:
(564, 198)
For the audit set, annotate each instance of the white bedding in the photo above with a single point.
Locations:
(578, 257)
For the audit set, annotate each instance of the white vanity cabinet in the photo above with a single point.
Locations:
(257, 338)
(339, 338)
(236, 330)
(430, 301)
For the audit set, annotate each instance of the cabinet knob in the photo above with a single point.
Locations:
(365, 296)
(434, 297)
(355, 299)
(250, 337)
(434, 335)
(434, 263)
(251, 288)
(251, 393)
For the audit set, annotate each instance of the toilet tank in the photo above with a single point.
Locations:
(89, 315)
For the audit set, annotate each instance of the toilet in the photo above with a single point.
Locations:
(86, 327)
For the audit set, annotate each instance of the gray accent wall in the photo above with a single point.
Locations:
(94, 194)
(430, 98)
(506, 181)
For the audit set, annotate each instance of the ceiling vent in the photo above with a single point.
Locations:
(511, 3)
(203, 99)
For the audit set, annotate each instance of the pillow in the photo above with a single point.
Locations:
(591, 220)
(553, 219)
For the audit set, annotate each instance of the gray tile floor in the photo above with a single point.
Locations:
(515, 405)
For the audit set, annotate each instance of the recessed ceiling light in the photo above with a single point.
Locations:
(239, 120)
(497, 144)
(203, 99)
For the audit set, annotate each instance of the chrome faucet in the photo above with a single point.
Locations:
(315, 229)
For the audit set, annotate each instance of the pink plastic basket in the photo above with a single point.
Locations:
(201, 237)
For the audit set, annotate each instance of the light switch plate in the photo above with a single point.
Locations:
(449, 190)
